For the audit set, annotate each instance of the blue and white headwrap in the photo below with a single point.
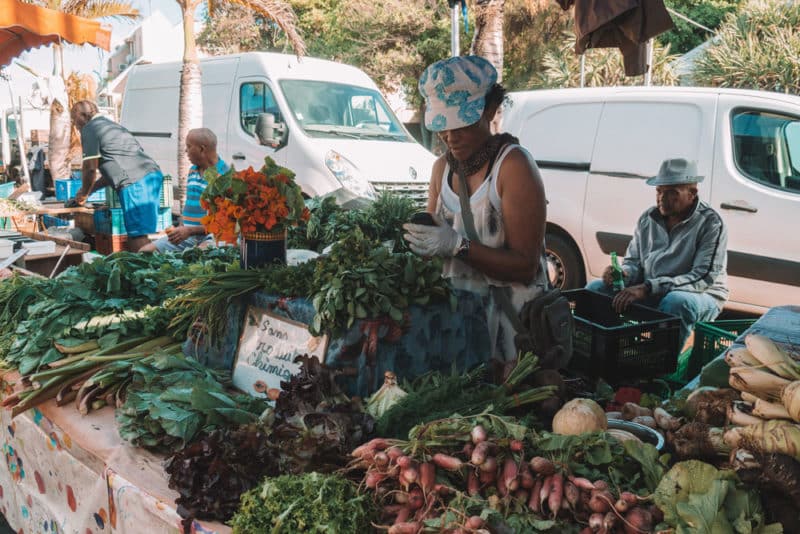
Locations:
(455, 91)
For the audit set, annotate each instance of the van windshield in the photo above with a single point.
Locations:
(325, 109)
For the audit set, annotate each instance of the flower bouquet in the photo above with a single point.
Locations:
(257, 206)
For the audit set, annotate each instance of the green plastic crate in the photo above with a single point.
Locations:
(712, 339)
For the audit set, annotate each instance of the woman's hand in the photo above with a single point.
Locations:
(439, 240)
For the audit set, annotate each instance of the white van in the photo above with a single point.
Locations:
(326, 121)
(595, 147)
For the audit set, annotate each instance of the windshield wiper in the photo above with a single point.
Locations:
(383, 135)
(333, 131)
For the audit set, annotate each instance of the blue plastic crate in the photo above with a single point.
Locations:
(67, 189)
(50, 221)
(109, 221)
(97, 196)
(6, 189)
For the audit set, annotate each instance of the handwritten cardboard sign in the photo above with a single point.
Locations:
(267, 349)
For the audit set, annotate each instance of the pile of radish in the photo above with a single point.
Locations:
(430, 486)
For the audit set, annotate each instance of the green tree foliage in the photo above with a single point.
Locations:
(234, 28)
(533, 29)
(603, 67)
(755, 49)
(709, 13)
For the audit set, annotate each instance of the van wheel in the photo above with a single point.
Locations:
(563, 263)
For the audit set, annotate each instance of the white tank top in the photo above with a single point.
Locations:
(488, 214)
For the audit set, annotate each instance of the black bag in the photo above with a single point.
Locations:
(547, 329)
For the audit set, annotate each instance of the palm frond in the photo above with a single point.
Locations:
(282, 14)
(100, 9)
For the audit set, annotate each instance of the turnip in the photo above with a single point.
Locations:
(403, 462)
(600, 501)
(480, 453)
(637, 521)
(381, 459)
(478, 434)
(510, 473)
(516, 445)
(474, 523)
(542, 466)
(596, 521)
(579, 416)
(444, 461)
(582, 483)
(571, 494)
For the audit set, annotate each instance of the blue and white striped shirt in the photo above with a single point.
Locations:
(193, 212)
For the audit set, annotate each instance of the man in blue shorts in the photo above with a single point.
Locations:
(201, 147)
(112, 150)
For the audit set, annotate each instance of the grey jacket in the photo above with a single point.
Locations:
(692, 257)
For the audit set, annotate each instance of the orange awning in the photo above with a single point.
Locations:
(25, 26)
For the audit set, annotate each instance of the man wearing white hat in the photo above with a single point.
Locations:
(678, 256)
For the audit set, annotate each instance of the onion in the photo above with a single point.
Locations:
(579, 416)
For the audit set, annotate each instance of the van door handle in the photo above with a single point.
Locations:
(238, 155)
(739, 207)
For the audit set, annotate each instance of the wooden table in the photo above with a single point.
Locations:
(44, 263)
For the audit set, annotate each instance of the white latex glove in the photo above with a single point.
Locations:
(439, 240)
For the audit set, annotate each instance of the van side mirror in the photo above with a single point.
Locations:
(269, 131)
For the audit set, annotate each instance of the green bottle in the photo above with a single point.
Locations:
(618, 283)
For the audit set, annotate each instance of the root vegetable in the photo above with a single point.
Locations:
(791, 399)
(645, 420)
(402, 515)
(480, 453)
(579, 416)
(665, 421)
(741, 357)
(582, 483)
(510, 473)
(544, 492)
(765, 351)
(556, 494)
(596, 522)
(610, 521)
(403, 462)
(631, 410)
(621, 506)
(757, 382)
(381, 459)
(600, 484)
(638, 520)
(771, 437)
(444, 461)
(516, 445)
(427, 476)
(699, 441)
(416, 499)
(710, 405)
(372, 446)
(521, 495)
(487, 477)
(478, 434)
(473, 486)
(374, 478)
(409, 475)
(490, 464)
(474, 523)
(467, 450)
(740, 413)
(770, 410)
(394, 452)
(542, 466)
(533, 501)
(601, 501)
(526, 479)
(571, 494)
(409, 527)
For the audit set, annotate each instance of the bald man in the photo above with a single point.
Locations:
(112, 150)
(201, 148)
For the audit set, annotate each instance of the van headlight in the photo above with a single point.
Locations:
(348, 175)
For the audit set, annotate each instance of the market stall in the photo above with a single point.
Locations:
(349, 390)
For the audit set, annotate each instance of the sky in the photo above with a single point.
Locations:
(85, 59)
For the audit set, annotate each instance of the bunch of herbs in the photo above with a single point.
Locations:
(171, 399)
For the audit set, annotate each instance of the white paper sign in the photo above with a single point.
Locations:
(267, 349)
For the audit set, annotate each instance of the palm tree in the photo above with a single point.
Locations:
(190, 107)
(60, 124)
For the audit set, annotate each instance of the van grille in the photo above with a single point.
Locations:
(417, 191)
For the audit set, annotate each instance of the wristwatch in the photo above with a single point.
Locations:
(463, 249)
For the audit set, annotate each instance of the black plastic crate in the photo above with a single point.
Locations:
(641, 343)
